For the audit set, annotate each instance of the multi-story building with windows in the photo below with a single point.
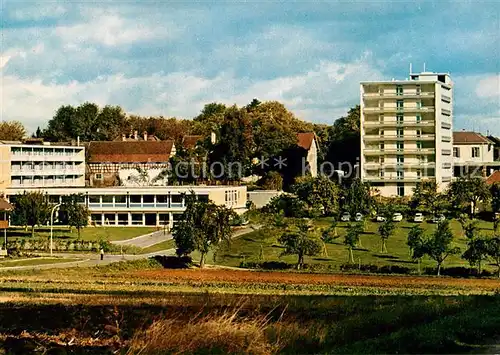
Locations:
(406, 132)
(38, 164)
(473, 154)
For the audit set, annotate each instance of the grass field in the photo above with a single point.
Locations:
(35, 261)
(248, 247)
(87, 234)
(139, 307)
(168, 244)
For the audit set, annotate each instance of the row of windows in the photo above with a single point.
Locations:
(400, 118)
(475, 152)
(232, 197)
(400, 104)
(401, 145)
(45, 151)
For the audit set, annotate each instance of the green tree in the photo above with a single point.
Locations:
(467, 192)
(351, 239)
(493, 250)
(12, 131)
(300, 241)
(75, 212)
(32, 209)
(330, 233)
(343, 138)
(426, 198)
(272, 180)
(321, 195)
(203, 227)
(439, 245)
(415, 239)
(358, 198)
(477, 252)
(386, 229)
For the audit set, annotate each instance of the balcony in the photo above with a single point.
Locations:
(48, 171)
(406, 123)
(446, 98)
(399, 151)
(398, 109)
(446, 112)
(46, 157)
(406, 137)
(395, 179)
(377, 165)
(393, 95)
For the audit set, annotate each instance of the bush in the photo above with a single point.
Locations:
(458, 271)
(375, 269)
(290, 206)
(267, 265)
(174, 262)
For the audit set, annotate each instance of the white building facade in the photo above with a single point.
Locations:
(406, 133)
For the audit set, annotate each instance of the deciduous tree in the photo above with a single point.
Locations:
(386, 229)
(12, 131)
(32, 209)
(300, 241)
(493, 249)
(321, 195)
(467, 192)
(76, 214)
(351, 239)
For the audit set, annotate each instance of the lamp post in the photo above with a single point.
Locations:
(52, 223)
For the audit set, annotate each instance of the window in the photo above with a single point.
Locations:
(401, 174)
(400, 132)
(381, 118)
(419, 145)
(381, 90)
(399, 119)
(382, 145)
(419, 132)
(135, 199)
(401, 189)
(417, 90)
(475, 152)
(400, 145)
(418, 117)
(419, 104)
(399, 104)
(381, 173)
(400, 159)
(399, 90)
(419, 174)
(99, 176)
(381, 160)
(456, 152)
(381, 132)
(381, 104)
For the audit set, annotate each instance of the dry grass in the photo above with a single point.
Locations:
(224, 334)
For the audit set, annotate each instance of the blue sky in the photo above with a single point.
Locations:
(171, 57)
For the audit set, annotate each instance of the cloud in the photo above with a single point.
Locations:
(489, 87)
(36, 11)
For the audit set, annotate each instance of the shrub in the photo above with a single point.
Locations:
(267, 265)
(174, 262)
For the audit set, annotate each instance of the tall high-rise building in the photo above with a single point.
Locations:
(406, 132)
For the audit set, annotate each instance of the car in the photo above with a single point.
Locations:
(380, 218)
(418, 218)
(358, 217)
(346, 217)
(439, 218)
(397, 217)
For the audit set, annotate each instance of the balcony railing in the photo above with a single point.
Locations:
(46, 157)
(391, 95)
(398, 109)
(48, 171)
(396, 178)
(388, 137)
(377, 165)
(385, 151)
(405, 123)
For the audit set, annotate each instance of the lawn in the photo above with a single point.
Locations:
(35, 261)
(87, 234)
(251, 246)
(168, 244)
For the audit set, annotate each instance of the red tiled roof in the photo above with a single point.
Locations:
(469, 137)
(494, 178)
(189, 142)
(304, 140)
(130, 152)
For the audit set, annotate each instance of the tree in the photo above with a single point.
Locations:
(477, 252)
(12, 131)
(467, 192)
(415, 239)
(272, 180)
(351, 239)
(32, 209)
(439, 246)
(76, 214)
(426, 198)
(493, 250)
(385, 230)
(300, 242)
(330, 233)
(321, 195)
(469, 226)
(204, 225)
(343, 138)
(358, 198)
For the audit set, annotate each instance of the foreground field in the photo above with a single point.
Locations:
(140, 307)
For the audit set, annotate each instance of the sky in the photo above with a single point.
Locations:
(170, 58)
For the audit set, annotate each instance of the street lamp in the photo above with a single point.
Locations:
(51, 223)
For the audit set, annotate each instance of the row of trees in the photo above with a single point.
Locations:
(33, 209)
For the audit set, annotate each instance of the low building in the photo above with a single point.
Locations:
(142, 206)
(128, 163)
(473, 154)
(496, 147)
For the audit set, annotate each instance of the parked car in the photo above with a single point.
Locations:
(439, 218)
(346, 217)
(358, 217)
(397, 217)
(380, 218)
(418, 218)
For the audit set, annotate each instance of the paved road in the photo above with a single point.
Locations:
(147, 240)
(92, 259)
